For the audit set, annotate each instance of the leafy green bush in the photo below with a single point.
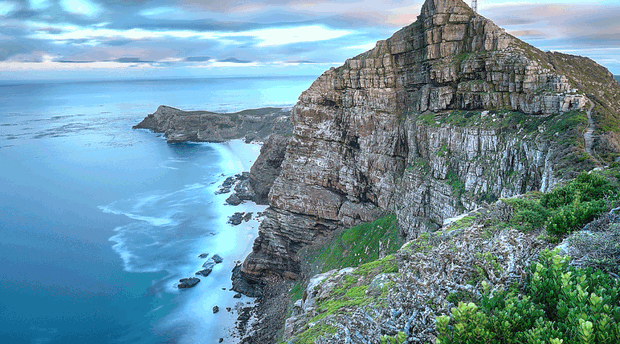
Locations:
(560, 304)
(399, 338)
(566, 208)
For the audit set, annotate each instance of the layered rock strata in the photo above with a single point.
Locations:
(204, 126)
(389, 132)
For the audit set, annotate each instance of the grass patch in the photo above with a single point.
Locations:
(296, 292)
(463, 223)
(359, 245)
(310, 335)
(428, 119)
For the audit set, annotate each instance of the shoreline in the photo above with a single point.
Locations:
(231, 242)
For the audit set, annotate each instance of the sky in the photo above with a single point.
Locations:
(118, 39)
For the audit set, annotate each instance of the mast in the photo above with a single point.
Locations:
(474, 5)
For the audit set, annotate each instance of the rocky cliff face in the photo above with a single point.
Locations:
(203, 126)
(448, 113)
(267, 167)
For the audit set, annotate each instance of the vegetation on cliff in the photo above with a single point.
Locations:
(558, 305)
(568, 207)
(491, 276)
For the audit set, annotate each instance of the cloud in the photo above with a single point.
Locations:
(7, 7)
(197, 59)
(81, 7)
(234, 60)
(571, 23)
(39, 4)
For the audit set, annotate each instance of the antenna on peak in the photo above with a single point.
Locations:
(474, 5)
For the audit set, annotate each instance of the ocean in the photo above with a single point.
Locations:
(98, 221)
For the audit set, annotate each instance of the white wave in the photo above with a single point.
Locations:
(154, 221)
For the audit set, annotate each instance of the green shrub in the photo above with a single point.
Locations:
(560, 304)
(566, 208)
(399, 338)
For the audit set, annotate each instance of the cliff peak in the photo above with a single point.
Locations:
(449, 112)
(432, 7)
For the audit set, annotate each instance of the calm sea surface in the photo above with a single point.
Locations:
(98, 221)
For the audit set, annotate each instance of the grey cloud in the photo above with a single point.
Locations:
(197, 59)
(50, 30)
(116, 42)
(234, 60)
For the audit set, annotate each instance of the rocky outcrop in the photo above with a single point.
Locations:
(204, 126)
(267, 167)
(448, 113)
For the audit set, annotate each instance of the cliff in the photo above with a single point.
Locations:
(449, 113)
(204, 126)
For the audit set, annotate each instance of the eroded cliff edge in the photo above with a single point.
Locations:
(448, 113)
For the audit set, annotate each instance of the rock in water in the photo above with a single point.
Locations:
(236, 218)
(228, 182)
(188, 282)
(203, 255)
(204, 272)
(216, 309)
(222, 190)
(217, 259)
(234, 200)
(209, 264)
(247, 217)
(243, 190)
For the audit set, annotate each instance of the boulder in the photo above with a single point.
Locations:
(217, 259)
(234, 200)
(188, 282)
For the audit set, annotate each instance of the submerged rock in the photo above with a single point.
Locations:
(216, 309)
(203, 255)
(188, 282)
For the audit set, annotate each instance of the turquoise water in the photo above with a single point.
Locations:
(98, 221)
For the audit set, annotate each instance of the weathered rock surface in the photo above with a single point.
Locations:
(203, 126)
(378, 135)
